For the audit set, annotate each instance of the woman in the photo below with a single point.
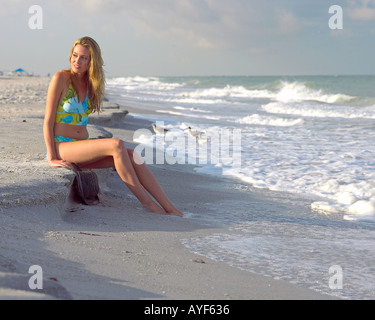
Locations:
(72, 95)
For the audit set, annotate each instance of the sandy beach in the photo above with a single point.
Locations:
(114, 250)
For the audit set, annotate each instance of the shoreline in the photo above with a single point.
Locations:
(114, 250)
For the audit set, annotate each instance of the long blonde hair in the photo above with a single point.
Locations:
(96, 78)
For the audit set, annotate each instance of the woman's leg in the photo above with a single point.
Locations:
(90, 151)
(144, 176)
(148, 180)
(106, 162)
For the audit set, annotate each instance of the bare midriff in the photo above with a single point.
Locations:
(71, 131)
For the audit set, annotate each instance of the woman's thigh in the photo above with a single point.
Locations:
(87, 151)
(106, 162)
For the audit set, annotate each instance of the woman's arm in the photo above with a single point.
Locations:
(55, 90)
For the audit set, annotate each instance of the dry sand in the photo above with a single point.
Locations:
(114, 250)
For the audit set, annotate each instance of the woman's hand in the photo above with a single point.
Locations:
(61, 163)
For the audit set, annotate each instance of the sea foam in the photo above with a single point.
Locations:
(297, 135)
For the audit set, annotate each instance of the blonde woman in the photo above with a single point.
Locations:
(72, 95)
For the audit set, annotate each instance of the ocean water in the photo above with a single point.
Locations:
(310, 139)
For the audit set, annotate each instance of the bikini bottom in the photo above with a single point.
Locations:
(64, 139)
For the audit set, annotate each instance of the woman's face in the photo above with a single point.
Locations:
(80, 59)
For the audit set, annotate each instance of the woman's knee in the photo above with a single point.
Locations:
(118, 146)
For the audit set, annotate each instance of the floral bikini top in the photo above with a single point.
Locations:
(72, 111)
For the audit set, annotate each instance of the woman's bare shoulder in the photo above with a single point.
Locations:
(60, 79)
(63, 76)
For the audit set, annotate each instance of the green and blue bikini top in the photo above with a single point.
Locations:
(71, 110)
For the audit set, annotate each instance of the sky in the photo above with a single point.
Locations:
(193, 37)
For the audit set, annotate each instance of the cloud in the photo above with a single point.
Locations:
(204, 24)
(185, 20)
(288, 23)
(363, 10)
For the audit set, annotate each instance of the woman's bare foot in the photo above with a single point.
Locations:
(174, 211)
(154, 208)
